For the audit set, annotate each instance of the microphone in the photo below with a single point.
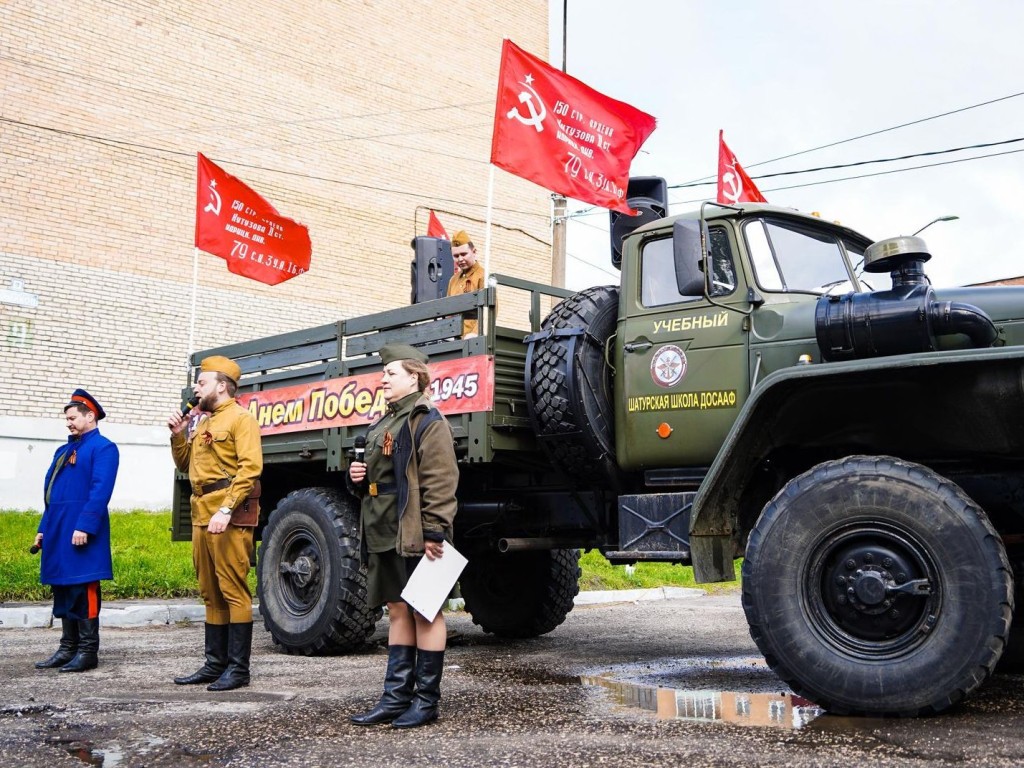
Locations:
(192, 403)
(34, 549)
(359, 450)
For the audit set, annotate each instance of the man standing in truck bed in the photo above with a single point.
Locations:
(224, 459)
(469, 277)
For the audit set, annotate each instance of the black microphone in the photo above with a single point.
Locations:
(359, 449)
(192, 403)
(34, 549)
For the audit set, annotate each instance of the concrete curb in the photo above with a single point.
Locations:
(128, 613)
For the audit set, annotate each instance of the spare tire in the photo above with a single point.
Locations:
(569, 385)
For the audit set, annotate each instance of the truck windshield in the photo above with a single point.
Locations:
(658, 273)
(789, 256)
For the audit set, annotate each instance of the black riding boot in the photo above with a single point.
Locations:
(429, 665)
(88, 647)
(239, 650)
(68, 646)
(398, 683)
(216, 657)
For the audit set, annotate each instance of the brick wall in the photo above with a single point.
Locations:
(346, 115)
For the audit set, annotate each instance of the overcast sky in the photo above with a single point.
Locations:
(784, 77)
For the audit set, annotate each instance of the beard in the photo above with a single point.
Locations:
(206, 403)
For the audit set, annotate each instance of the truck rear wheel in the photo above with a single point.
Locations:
(569, 385)
(874, 586)
(521, 594)
(312, 592)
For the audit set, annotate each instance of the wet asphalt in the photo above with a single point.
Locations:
(673, 682)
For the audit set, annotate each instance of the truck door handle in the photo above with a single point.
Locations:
(637, 346)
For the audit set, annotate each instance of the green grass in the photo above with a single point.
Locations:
(147, 564)
(598, 573)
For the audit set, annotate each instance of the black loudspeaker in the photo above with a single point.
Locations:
(432, 268)
(647, 194)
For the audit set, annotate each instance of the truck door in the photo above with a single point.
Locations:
(684, 370)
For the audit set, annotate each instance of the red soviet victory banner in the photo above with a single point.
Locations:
(734, 186)
(562, 134)
(435, 228)
(237, 224)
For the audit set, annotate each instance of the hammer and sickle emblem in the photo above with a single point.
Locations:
(732, 186)
(214, 204)
(528, 97)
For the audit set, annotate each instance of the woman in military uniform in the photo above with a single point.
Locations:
(407, 485)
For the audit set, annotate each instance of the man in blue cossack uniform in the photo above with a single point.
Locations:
(74, 533)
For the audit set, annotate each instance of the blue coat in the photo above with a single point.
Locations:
(78, 501)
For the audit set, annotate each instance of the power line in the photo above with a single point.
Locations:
(873, 133)
(865, 162)
(135, 147)
(869, 175)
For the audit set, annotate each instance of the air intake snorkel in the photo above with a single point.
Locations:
(905, 319)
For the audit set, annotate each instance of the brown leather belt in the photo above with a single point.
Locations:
(382, 489)
(211, 487)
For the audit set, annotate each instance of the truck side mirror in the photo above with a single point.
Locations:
(686, 253)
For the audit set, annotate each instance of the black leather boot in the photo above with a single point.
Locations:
(68, 646)
(398, 683)
(216, 657)
(239, 648)
(429, 665)
(88, 647)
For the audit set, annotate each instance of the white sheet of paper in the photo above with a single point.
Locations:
(432, 582)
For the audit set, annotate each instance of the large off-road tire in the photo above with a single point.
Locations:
(569, 385)
(821, 588)
(521, 594)
(312, 592)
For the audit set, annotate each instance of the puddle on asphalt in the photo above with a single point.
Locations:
(750, 708)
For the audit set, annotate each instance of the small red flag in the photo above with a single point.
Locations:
(435, 228)
(562, 134)
(734, 186)
(236, 224)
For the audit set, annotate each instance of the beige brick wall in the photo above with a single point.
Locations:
(345, 114)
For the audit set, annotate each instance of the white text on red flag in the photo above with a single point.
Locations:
(562, 134)
(235, 223)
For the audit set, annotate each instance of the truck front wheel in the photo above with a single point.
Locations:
(312, 592)
(874, 586)
(521, 594)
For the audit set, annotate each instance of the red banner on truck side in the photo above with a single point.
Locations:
(457, 386)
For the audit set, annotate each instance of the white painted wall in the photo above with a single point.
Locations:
(144, 479)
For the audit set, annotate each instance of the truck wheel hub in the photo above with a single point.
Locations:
(865, 580)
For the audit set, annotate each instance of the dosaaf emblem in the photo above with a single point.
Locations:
(668, 366)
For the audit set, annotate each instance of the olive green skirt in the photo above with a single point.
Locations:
(386, 577)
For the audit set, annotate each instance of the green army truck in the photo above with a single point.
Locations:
(763, 384)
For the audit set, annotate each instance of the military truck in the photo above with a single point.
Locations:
(763, 384)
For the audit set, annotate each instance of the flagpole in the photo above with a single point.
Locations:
(192, 314)
(487, 230)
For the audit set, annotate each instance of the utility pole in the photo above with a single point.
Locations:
(558, 220)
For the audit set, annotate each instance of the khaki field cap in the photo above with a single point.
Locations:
(221, 364)
(461, 238)
(392, 352)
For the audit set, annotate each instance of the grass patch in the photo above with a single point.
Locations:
(147, 564)
(598, 573)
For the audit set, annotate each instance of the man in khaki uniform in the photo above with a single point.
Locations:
(222, 453)
(468, 277)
